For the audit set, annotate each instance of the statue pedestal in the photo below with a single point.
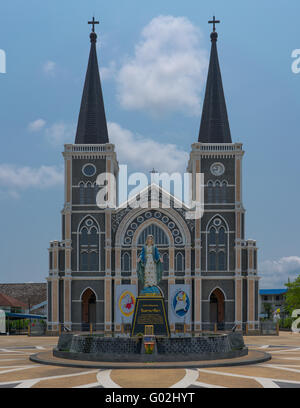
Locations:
(150, 310)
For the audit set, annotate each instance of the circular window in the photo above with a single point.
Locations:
(148, 214)
(217, 169)
(89, 223)
(165, 219)
(89, 170)
(217, 222)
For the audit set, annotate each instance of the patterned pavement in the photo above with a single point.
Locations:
(282, 371)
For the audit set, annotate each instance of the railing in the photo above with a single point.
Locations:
(219, 147)
(215, 326)
(207, 327)
(88, 147)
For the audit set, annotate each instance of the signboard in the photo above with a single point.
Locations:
(2, 321)
(125, 299)
(150, 311)
(180, 304)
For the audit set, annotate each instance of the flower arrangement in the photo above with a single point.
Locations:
(149, 347)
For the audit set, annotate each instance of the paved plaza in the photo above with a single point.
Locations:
(282, 371)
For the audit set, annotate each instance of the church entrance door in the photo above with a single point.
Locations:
(88, 307)
(217, 307)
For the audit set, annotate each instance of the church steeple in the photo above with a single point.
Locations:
(92, 127)
(214, 127)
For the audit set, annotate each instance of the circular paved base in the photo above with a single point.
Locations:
(253, 357)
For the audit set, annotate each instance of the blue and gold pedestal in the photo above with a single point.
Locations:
(150, 310)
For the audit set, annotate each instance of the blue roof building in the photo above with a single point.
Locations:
(274, 297)
(272, 291)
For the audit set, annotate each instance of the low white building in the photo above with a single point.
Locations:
(273, 297)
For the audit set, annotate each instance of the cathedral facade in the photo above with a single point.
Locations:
(93, 268)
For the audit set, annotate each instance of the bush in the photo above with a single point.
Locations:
(18, 324)
(286, 323)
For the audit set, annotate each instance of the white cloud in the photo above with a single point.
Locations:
(59, 133)
(49, 68)
(14, 179)
(56, 134)
(9, 194)
(274, 274)
(167, 71)
(36, 125)
(143, 153)
(108, 72)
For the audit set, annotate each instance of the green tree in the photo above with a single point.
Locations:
(268, 309)
(292, 296)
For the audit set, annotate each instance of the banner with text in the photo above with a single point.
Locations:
(125, 297)
(2, 321)
(180, 308)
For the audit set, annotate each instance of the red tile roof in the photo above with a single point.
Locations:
(6, 300)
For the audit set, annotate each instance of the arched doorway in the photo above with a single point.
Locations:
(88, 307)
(217, 307)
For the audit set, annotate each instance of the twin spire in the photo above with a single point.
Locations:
(214, 127)
(92, 126)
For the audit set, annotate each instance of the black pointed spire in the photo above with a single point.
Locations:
(92, 127)
(214, 127)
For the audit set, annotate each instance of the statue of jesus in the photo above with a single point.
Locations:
(150, 267)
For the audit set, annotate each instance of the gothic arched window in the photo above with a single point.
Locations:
(88, 246)
(221, 261)
(81, 192)
(84, 236)
(210, 188)
(223, 192)
(212, 265)
(93, 260)
(96, 189)
(212, 236)
(222, 236)
(93, 236)
(179, 262)
(126, 262)
(160, 237)
(84, 260)
(165, 262)
(218, 191)
(89, 193)
(217, 245)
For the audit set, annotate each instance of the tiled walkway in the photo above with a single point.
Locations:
(283, 371)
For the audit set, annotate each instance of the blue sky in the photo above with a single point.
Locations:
(47, 46)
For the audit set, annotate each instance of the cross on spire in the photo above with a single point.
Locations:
(153, 171)
(214, 22)
(93, 22)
